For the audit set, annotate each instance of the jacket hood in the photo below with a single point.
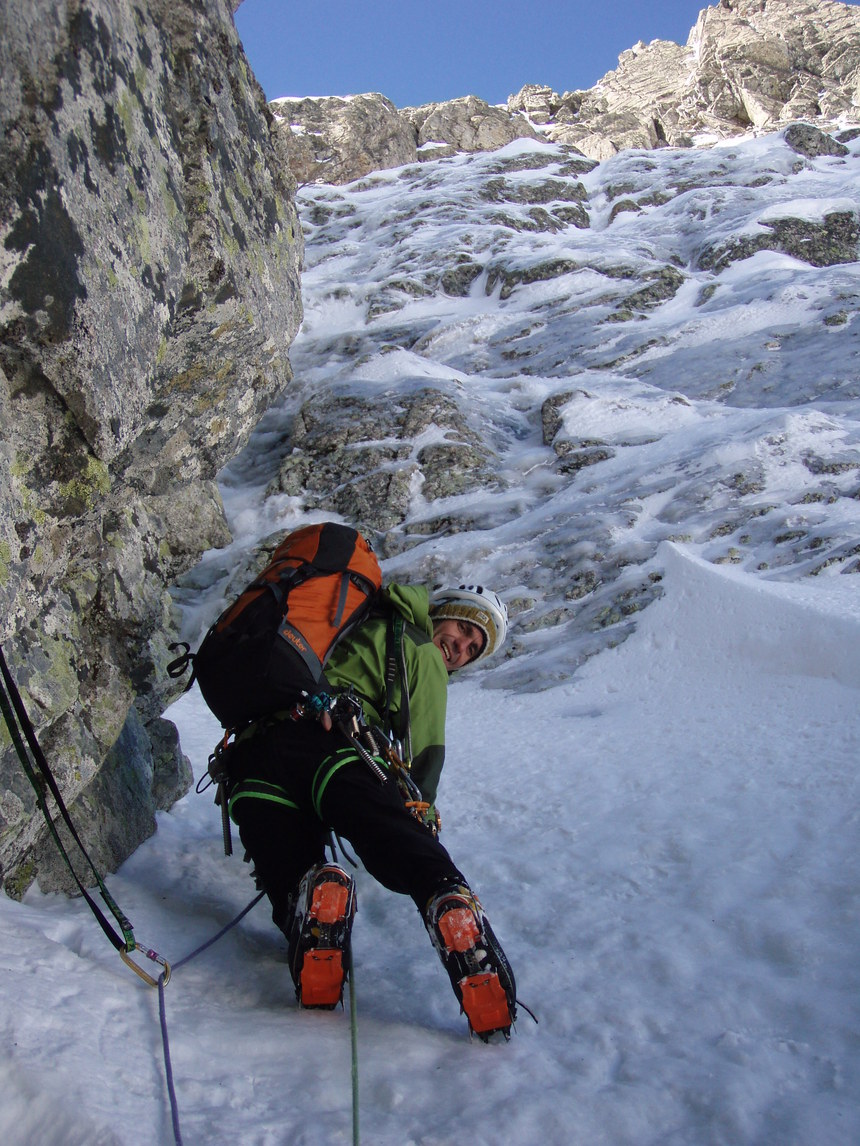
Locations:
(413, 602)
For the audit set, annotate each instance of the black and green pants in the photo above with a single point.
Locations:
(293, 783)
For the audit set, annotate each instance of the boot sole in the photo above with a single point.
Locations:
(323, 972)
(483, 998)
(458, 929)
(486, 1005)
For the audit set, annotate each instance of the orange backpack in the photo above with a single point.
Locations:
(269, 648)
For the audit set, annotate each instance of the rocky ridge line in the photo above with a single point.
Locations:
(748, 66)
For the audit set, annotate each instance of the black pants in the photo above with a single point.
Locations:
(318, 784)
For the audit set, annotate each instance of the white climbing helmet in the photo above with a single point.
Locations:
(476, 604)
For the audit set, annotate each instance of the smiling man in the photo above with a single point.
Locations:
(295, 781)
(466, 624)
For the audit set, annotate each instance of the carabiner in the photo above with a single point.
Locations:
(125, 955)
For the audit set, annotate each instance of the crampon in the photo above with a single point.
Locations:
(476, 964)
(319, 936)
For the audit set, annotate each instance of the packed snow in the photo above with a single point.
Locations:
(658, 811)
(667, 847)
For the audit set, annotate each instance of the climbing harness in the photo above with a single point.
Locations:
(376, 748)
(391, 752)
(347, 717)
(39, 774)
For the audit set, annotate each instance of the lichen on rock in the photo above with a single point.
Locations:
(150, 254)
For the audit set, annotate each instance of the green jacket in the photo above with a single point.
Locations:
(360, 660)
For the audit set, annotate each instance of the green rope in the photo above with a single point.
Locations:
(353, 1028)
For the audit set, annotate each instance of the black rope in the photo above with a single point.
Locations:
(350, 859)
(20, 727)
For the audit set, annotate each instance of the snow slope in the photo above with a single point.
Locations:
(667, 846)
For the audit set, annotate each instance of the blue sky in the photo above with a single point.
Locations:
(415, 52)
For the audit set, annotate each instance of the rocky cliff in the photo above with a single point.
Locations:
(528, 369)
(748, 66)
(150, 290)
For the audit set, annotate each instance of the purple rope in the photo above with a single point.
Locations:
(162, 1015)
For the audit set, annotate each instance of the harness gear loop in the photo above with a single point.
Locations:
(409, 790)
(418, 807)
(218, 773)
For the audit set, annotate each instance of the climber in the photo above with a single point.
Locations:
(293, 781)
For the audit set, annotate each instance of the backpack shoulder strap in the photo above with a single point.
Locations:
(395, 668)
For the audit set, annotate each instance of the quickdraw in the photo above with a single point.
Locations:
(41, 777)
(412, 797)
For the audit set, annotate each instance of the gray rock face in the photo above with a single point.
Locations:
(370, 459)
(747, 66)
(336, 140)
(465, 124)
(150, 291)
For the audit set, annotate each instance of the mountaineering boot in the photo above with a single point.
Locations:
(476, 964)
(319, 935)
